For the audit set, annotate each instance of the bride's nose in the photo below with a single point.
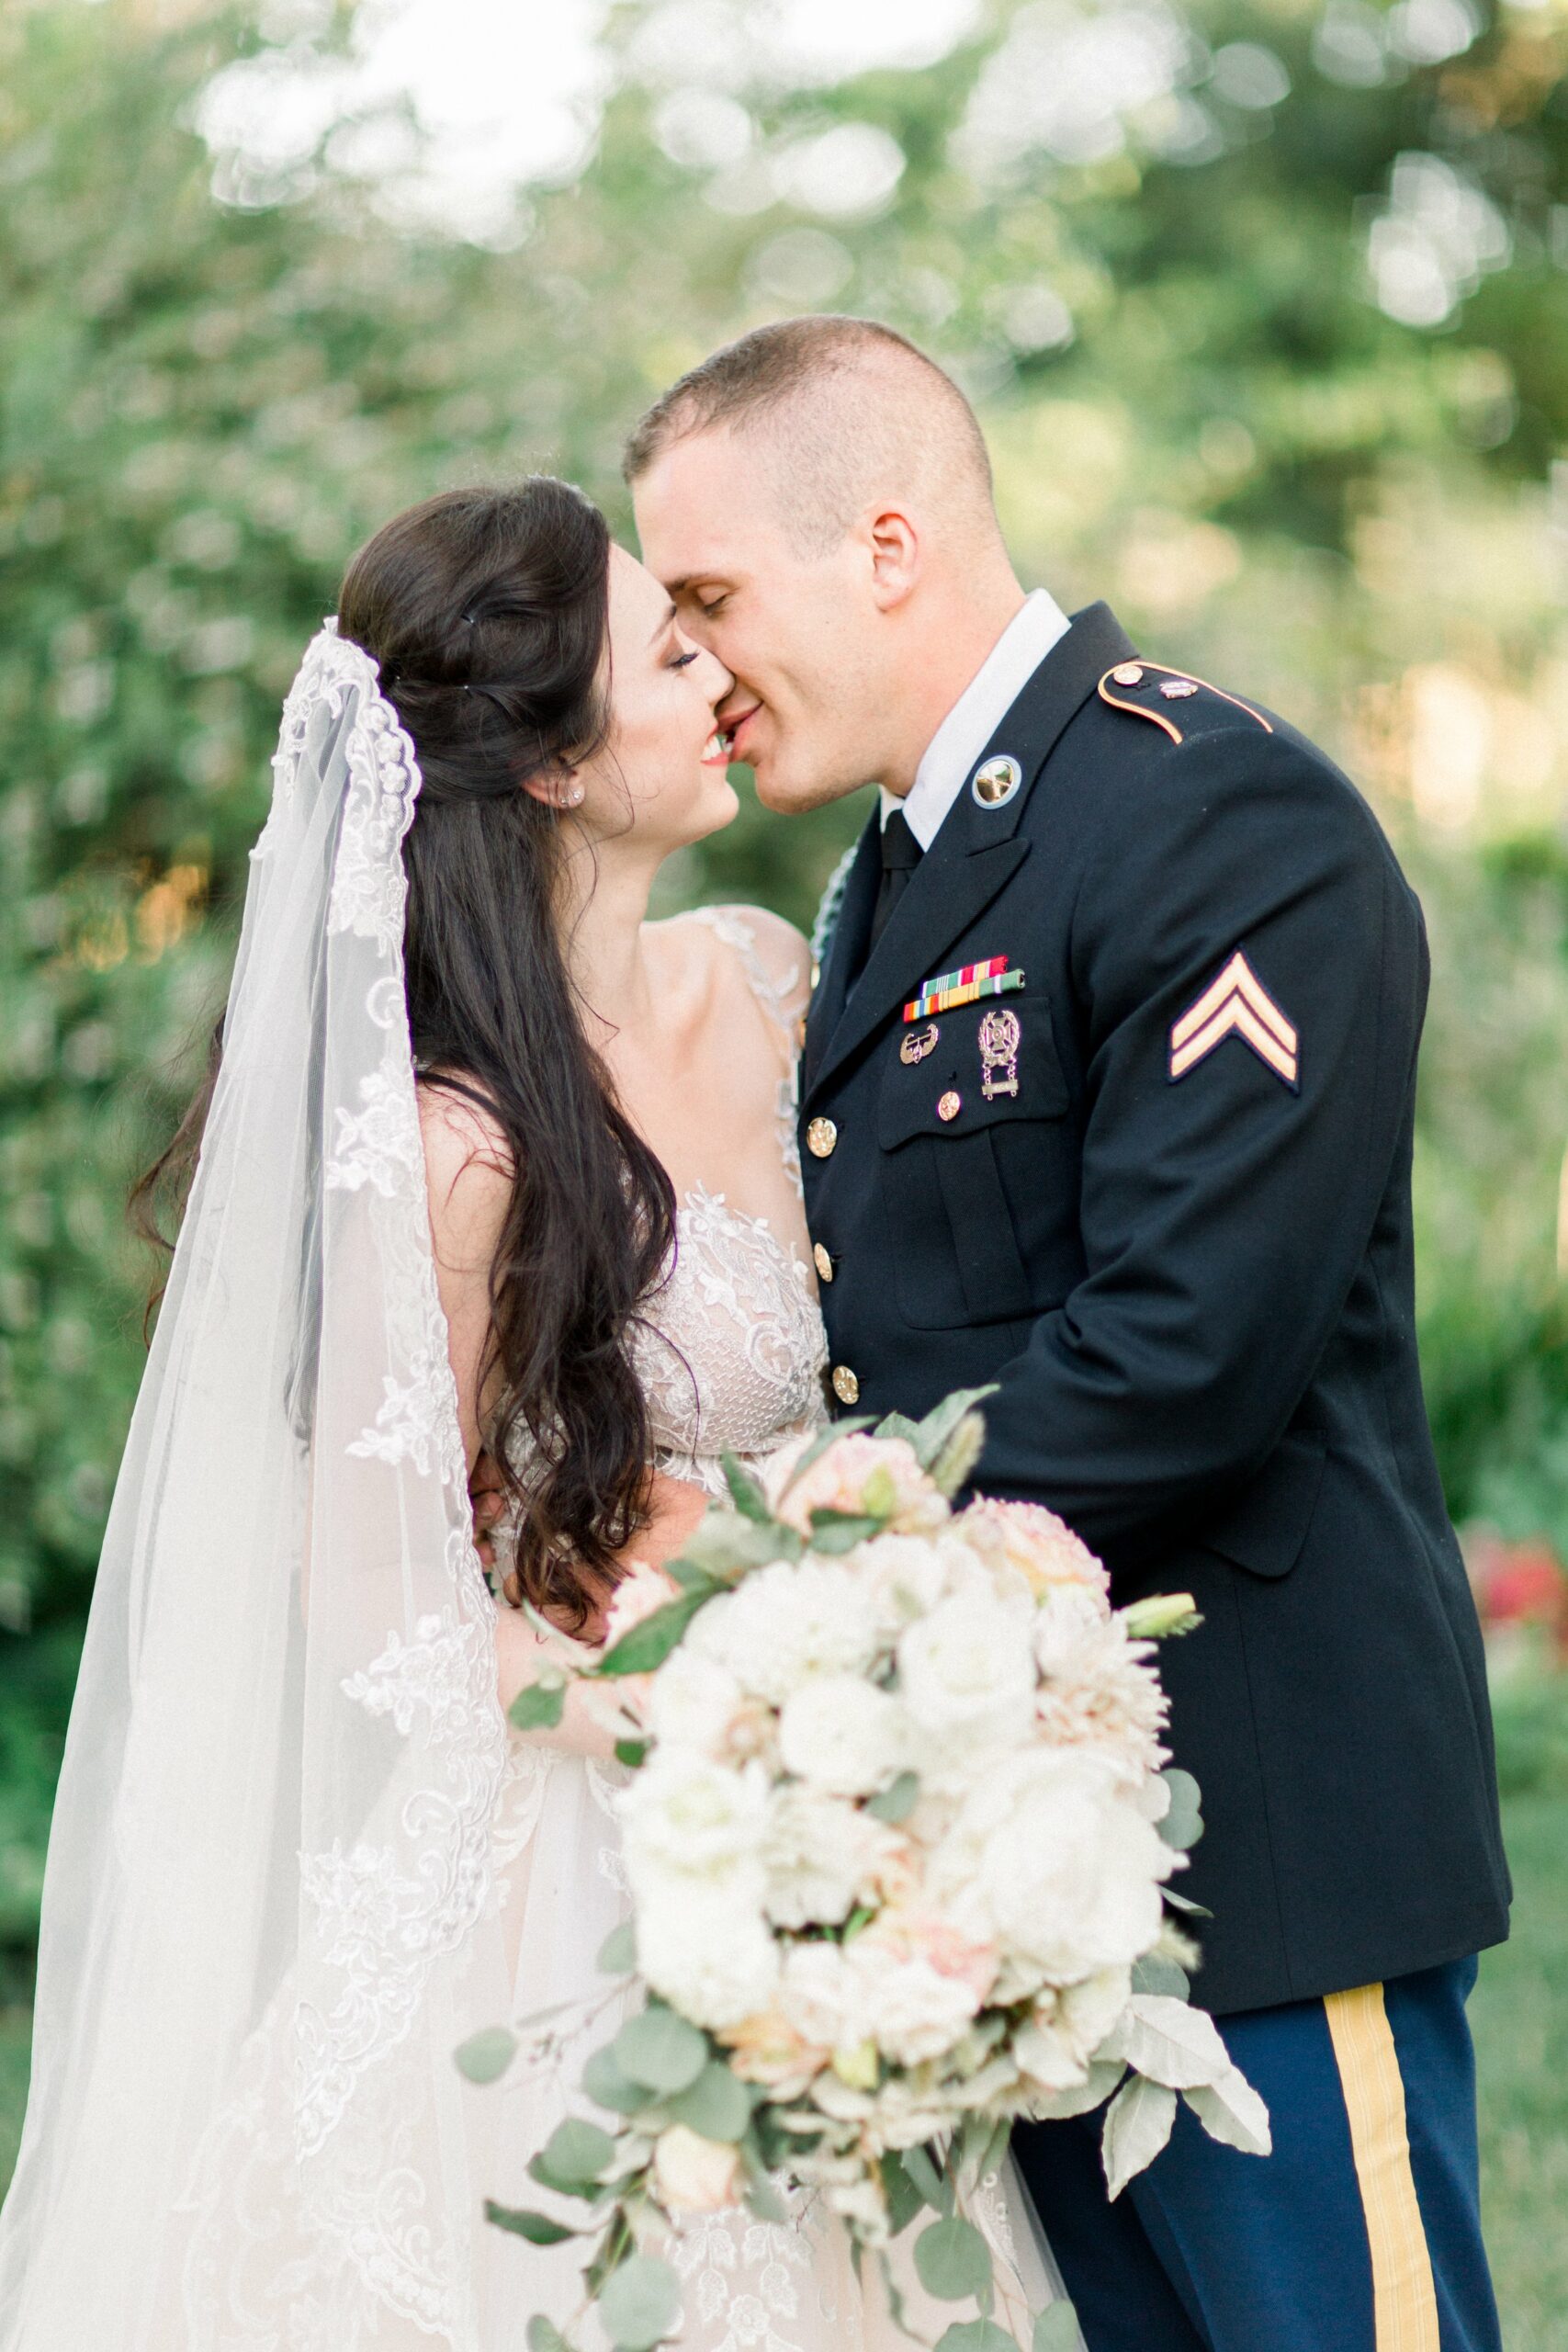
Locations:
(718, 684)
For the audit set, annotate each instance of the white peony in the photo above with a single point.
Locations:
(693, 1700)
(858, 1474)
(965, 1672)
(821, 1855)
(687, 1818)
(1040, 1546)
(817, 1997)
(787, 1622)
(844, 1735)
(707, 1953)
(1048, 1856)
(906, 1576)
(911, 2011)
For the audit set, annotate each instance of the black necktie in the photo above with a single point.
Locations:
(901, 853)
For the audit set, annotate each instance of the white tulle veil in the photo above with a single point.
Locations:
(271, 1906)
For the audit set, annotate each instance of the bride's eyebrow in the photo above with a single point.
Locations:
(663, 624)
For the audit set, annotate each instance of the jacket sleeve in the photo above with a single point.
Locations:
(1224, 1211)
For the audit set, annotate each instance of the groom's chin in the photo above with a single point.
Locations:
(794, 796)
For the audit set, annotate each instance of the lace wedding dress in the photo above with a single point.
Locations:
(732, 1359)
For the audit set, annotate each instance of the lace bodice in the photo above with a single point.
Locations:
(732, 1348)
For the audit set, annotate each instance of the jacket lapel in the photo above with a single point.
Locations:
(846, 949)
(974, 853)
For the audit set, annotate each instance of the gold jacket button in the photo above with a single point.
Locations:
(846, 1387)
(823, 1261)
(820, 1137)
(949, 1105)
(815, 974)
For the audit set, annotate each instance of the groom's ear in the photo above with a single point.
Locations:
(893, 544)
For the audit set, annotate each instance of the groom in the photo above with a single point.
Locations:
(1107, 1098)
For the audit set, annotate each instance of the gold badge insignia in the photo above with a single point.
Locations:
(999, 1036)
(919, 1043)
(995, 781)
(1177, 689)
(1128, 674)
(949, 1105)
(1237, 1004)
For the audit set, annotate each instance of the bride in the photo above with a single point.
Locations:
(487, 1162)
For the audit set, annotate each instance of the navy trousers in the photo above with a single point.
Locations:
(1361, 2233)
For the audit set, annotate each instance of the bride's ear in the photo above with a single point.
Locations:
(559, 787)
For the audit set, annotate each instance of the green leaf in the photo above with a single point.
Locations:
(631, 1752)
(903, 2200)
(661, 2050)
(537, 2228)
(1184, 1824)
(607, 2087)
(922, 2171)
(1155, 1975)
(717, 2104)
(959, 1455)
(647, 1645)
(726, 1544)
(689, 1577)
(898, 1425)
(952, 2260)
(640, 2304)
(932, 1433)
(538, 1706)
(574, 2158)
(745, 1492)
(617, 1953)
(1185, 1903)
(543, 2335)
(839, 1531)
(899, 1800)
(1055, 2328)
(976, 2336)
(486, 2055)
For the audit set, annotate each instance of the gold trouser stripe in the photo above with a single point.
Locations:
(1404, 2301)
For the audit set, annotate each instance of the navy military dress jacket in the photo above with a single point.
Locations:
(1159, 1192)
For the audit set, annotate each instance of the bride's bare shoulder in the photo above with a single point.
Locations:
(468, 1172)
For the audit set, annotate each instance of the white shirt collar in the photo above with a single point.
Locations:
(1038, 624)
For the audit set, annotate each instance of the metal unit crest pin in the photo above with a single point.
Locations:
(999, 1039)
(995, 781)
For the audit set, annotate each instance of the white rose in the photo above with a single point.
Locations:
(1048, 1855)
(693, 1700)
(906, 1576)
(817, 1997)
(820, 1855)
(695, 2174)
(965, 1671)
(709, 1955)
(844, 1735)
(787, 1622)
(910, 2010)
(685, 1816)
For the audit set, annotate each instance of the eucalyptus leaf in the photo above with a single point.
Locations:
(893, 1425)
(1185, 1903)
(727, 1541)
(660, 2049)
(574, 2157)
(1055, 2328)
(640, 2304)
(717, 2103)
(543, 2335)
(976, 2336)
(932, 1433)
(745, 1492)
(537, 2228)
(959, 1455)
(486, 2055)
(903, 2200)
(1137, 2125)
(1155, 1975)
(608, 2087)
(1183, 1823)
(923, 2171)
(834, 1531)
(688, 1575)
(650, 1643)
(617, 1953)
(538, 1706)
(897, 1801)
(952, 2260)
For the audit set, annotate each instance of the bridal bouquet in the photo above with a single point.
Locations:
(898, 1840)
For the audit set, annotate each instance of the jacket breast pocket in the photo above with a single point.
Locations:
(1264, 1527)
(962, 1098)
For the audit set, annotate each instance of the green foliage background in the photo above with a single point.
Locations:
(1196, 406)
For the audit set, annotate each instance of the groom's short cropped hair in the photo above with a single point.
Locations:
(842, 409)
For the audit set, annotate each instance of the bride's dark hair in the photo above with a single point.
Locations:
(486, 610)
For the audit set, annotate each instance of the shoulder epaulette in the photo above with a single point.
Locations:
(1172, 686)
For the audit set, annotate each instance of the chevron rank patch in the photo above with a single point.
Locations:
(1237, 1005)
